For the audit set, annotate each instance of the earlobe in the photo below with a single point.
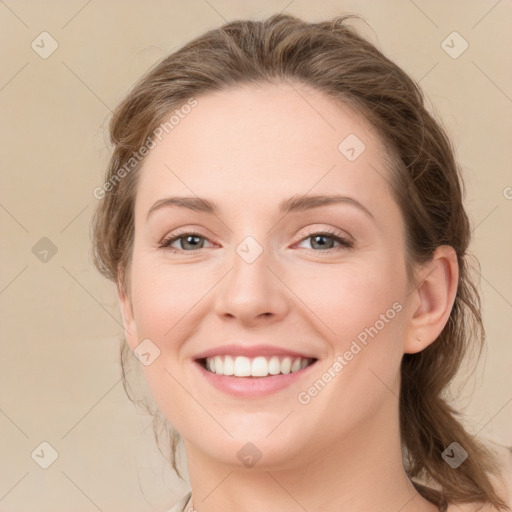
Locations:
(432, 299)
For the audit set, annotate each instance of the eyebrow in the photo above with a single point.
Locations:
(293, 204)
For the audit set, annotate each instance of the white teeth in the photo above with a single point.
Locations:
(286, 365)
(242, 367)
(295, 365)
(260, 366)
(229, 366)
(274, 365)
(219, 363)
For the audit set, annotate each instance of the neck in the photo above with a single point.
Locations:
(361, 472)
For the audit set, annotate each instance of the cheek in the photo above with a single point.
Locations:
(364, 309)
(350, 298)
(164, 300)
(165, 295)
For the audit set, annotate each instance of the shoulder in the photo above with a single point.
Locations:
(180, 506)
(502, 484)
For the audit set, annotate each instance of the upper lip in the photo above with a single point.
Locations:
(250, 351)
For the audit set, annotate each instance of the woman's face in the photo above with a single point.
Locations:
(257, 273)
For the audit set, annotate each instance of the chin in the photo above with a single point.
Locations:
(258, 451)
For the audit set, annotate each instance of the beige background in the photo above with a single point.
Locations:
(59, 371)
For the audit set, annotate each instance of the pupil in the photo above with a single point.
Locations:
(192, 237)
(320, 237)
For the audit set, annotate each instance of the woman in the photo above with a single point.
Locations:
(284, 222)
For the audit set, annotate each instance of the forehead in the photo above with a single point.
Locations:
(264, 142)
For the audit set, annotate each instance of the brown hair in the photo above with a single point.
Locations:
(331, 57)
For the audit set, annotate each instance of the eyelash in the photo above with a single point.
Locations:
(344, 242)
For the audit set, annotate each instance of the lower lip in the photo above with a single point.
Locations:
(252, 386)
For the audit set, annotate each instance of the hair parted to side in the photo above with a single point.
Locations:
(331, 57)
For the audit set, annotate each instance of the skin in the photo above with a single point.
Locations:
(247, 149)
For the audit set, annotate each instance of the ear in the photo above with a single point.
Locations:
(431, 301)
(125, 304)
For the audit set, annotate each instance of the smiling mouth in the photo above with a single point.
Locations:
(261, 366)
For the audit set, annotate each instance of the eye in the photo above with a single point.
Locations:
(190, 238)
(321, 241)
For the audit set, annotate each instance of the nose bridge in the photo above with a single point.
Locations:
(251, 289)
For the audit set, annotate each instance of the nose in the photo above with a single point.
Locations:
(253, 291)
